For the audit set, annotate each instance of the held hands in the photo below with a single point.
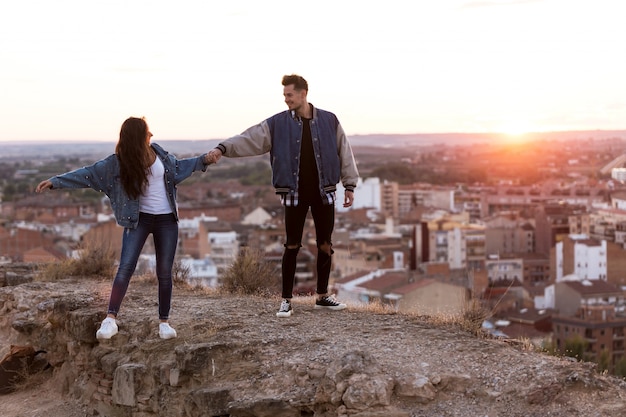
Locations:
(348, 198)
(213, 156)
(43, 185)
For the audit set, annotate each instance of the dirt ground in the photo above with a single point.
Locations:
(41, 400)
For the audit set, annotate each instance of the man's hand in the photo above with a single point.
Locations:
(348, 198)
(213, 156)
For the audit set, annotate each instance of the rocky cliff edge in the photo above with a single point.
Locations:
(234, 357)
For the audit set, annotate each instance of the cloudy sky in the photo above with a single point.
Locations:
(75, 69)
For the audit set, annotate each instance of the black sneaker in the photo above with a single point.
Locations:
(285, 309)
(329, 303)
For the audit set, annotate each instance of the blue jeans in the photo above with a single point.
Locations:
(164, 229)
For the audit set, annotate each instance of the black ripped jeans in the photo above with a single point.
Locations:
(324, 220)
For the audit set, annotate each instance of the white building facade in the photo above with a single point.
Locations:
(581, 256)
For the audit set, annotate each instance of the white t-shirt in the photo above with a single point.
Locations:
(154, 198)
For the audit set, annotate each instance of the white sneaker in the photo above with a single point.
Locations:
(166, 331)
(285, 309)
(107, 329)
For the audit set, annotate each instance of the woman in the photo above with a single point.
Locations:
(140, 180)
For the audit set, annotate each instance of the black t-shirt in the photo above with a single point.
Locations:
(308, 181)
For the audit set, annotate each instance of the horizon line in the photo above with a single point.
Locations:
(517, 135)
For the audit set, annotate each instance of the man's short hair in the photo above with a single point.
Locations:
(298, 82)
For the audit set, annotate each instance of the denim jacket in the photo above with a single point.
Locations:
(281, 136)
(104, 176)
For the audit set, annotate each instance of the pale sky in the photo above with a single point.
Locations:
(76, 69)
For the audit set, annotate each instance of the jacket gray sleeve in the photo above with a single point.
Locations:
(349, 171)
(255, 140)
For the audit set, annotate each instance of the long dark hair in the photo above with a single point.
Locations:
(133, 152)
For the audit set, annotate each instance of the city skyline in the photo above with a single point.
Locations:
(73, 71)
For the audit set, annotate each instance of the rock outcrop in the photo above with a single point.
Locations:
(233, 357)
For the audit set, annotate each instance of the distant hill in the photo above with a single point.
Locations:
(95, 149)
(191, 147)
(429, 139)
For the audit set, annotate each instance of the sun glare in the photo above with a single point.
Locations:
(515, 128)
(515, 131)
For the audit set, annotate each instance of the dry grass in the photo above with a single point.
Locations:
(180, 275)
(375, 307)
(144, 278)
(473, 316)
(93, 261)
(527, 345)
(250, 274)
(27, 380)
(23, 368)
(469, 320)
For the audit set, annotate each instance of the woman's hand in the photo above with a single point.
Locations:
(213, 156)
(43, 185)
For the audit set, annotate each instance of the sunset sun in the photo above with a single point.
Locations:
(515, 128)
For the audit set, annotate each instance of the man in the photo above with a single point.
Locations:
(309, 154)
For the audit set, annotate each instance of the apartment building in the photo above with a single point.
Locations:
(603, 223)
(424, 195)
(581, 256)
(469, 201)
(509, 232)
(389, 199)
(516, 198)
(552, 224)
(460, 244)
(504, 269)
(591, 312)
